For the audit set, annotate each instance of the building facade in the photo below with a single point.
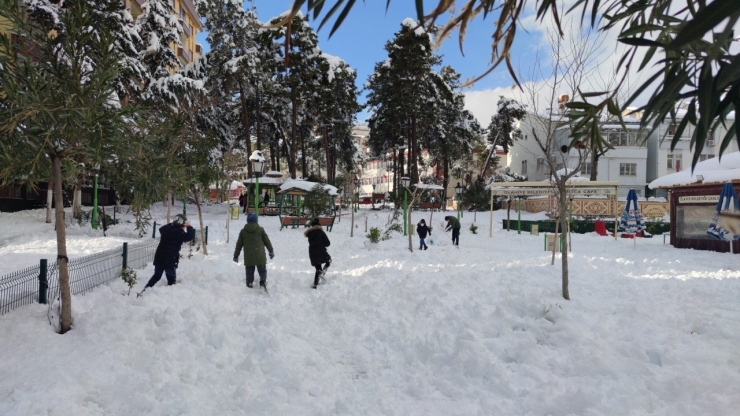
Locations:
(191, 23)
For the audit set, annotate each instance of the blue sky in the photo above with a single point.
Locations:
(361, 39)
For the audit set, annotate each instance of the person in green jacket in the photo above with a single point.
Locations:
(454, 225)
(253, 239)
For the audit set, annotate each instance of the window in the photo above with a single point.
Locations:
(674, 162)
(628, 169)
(524, 167)
(586, 169)
(705, 157)
(672, 129)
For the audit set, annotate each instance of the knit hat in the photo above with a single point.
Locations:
(179, 220)
(315, 221)
(251, 217)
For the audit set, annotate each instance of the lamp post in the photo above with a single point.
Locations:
(458, 191)
(355, 182)
(405, 181)
(258, 163)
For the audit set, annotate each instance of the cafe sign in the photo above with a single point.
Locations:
(698, 199)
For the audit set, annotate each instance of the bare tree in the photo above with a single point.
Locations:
(572, 62)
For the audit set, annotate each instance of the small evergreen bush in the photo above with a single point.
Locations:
(374, 235)
(129, 277)
(473, 228)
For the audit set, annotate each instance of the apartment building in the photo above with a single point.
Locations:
(190, 21)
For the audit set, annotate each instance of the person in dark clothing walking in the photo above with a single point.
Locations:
(454, 225)
(266, 198)
(253, 240)
(317, 244)
(422, 230)
(243, 203)
(167, 256)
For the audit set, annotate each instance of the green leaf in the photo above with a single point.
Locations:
(640, 42)
(706, 19)
(341, 17)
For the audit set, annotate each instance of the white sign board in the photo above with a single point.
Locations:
(698, 199)
(550, 191)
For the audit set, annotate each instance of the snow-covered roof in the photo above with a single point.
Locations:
(713, 170)
(306, 186)
(234, 186)
(429, 187)
(265, 180)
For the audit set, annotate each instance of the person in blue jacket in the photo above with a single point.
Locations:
(422, 230)
(167, 256)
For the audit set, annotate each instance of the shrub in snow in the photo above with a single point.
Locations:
(129, 277)
(473, 228)
(374, 235)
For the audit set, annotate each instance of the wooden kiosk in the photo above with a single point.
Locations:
(290, 204)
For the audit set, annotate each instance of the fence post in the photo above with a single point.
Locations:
(206, 235)
(125, 256)
(154, 230)
(43, 284)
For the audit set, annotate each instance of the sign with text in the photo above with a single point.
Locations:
(550, 191)
(698, 199)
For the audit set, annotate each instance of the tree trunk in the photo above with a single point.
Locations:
(594, 165)
(65, 318)
(508, 215)
(200, 218)
(557, 224)
(49, 199)
(169, 206)
(245, 126)
(414, 163)
(563, 208)
(329, 177)
(294, 133)
(259, 117)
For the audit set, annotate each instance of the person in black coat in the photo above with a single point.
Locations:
(167, 255)
(422, 230)
(317, 244)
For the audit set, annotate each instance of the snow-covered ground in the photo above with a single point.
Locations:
(480, 330)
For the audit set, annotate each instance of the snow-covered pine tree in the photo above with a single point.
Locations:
(296, 70)
(402, 90)
(501, 130)
(337, 108)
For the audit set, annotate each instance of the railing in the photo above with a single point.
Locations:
(185, 54)
(38, 284)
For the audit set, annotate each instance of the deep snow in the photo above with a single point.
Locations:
(482, 330)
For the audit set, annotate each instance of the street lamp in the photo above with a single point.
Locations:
(258, 163)
(458, 191)
(405, 182)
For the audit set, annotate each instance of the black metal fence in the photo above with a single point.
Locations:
(39, 283)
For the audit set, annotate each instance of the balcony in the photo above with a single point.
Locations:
(187, 28)
(24, 47)
(199, 49)
(185, 54)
